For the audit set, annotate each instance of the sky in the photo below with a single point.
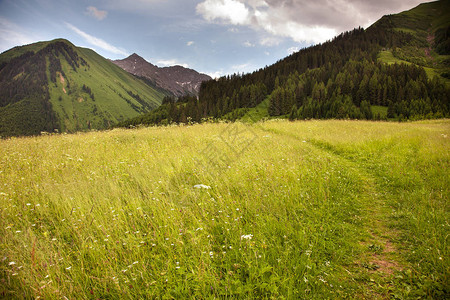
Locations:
(216, 37)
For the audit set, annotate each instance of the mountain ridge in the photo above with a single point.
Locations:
(177, 79)
(54, 85)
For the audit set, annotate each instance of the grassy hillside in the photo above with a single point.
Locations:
(75, 88)
(317, 209)
(428, 23)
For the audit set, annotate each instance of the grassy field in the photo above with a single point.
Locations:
(282, 210)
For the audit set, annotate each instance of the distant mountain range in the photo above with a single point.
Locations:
(177, 80)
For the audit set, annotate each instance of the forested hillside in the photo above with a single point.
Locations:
(398, 69)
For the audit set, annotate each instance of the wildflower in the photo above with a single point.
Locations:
(12, 263)
(68, 268)
(202, 186)
(246, 236)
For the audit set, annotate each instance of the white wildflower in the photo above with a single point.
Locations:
(202, 186)
(246, 237)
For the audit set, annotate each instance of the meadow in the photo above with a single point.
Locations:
(272, 210)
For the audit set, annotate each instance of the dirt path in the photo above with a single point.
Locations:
(379, 257)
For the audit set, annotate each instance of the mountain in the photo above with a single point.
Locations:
(178, 80)
(398, 68)
(54, 85)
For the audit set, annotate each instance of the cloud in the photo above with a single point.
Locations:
(170, 62)
(270, 41)
(292, 50)
(97, 41)
(12, 35)
(214, 75)
(96, 13)
(300, 20)
(229, 11)
(248, 44)
(139, 6)
(190, 43)
(242, 68)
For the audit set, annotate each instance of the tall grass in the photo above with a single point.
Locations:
(271, 210)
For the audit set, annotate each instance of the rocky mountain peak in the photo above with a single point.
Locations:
(176, 79)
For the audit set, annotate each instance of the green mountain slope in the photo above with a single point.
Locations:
(55, 85)
(429, 26)
(395, 69)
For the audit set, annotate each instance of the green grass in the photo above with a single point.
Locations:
(387, 57)
(257, 113)
(295, 210)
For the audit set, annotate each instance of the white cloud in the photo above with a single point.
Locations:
(270, 41)
(97, 41)
(242, 68)
(248, 44)
(190, 43)
(300, 20)
(96, 13)
(229, 11)
(214, 75)
(12, 35)
(170, 62)
(292, 50)
(302, 33)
